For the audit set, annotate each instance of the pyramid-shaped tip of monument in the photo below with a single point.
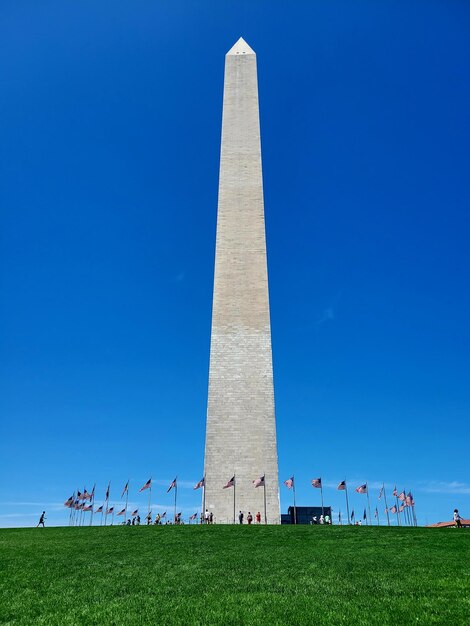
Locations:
(241, 47)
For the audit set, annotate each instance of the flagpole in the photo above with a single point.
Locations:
(150, 498)
(127, 500)
(264, 485)
(112, 519)
(368, 503)
(204, 499)
(385, 498)
(321, 491)
(398, 513)
(176, 491)
(234, 487)
(295, 508)
(101, 523)
(339, 518)
(347, 500)
(378, 518)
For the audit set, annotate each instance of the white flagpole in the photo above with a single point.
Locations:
(385, 498)
(176, 491)
(234, 484)
(295, 508)
(347, 500)
(321, 491)
(127, 499)
(264, 486)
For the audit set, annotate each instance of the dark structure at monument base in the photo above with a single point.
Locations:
(304, 514)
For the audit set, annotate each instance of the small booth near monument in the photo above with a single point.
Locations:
(304, 514)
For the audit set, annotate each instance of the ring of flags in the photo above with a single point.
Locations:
(78, 501)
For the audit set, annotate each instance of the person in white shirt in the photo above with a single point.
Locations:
(457, 518)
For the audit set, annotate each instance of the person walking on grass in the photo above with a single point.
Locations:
(258, 518)
(41, 520)
(240, 517)
(249, 518)
(457, 519)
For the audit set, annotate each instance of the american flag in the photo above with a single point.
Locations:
(134, 512)
(200, 484)
(409, 499)
(109, 511)
(193, 516)
(342, 486)
(362, 489)
(79, 495)
(289, 483)
(93, 492)
(393, 509)
(402, 496)
(172, 485)
(122, 512)
(125, 490)
(231, 483)
(402, 508)
(259, 482)
(147, 485)
(89, 507)
(99, 509)
(381, 492)
(395, 492)
(316, 482)
(86, 495)
(107, 491)
(76, 505)
(69, 503)
(163, 515)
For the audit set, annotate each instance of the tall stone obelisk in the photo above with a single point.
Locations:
(241, 429)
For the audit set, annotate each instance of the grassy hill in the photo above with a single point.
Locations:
(234, 575)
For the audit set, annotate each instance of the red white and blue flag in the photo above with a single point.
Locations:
(316, 482)
(393, 509)
(172, 485)
(99, 509)
(395, 492)
(123, 512)
(125, 490)
(89, 507)
(107, 492)
(342, 486)
(231, 483)
(163, 515)
(193, 516)
(69, 503)
(134, 512)
(109, 511)
(402, 508)
(259, 482)
(289, 483)
(200, 484)
(381, 492)
(362, 489)
(147, 485)
(402, 496)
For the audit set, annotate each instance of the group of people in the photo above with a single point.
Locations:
(249, 517)
(324, 519)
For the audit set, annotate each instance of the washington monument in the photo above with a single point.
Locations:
(241, 428)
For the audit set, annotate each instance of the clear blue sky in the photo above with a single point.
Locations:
(110, 116)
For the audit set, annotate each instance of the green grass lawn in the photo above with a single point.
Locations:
(234, 575)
